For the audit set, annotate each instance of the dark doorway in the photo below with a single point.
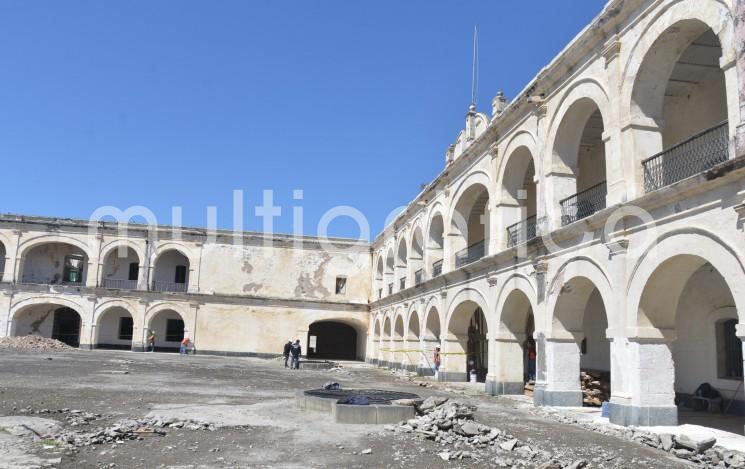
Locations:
(332, 340)
(66, 327)
(478, 347)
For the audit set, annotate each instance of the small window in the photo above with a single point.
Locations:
(134, 270)
(729, 350)
(180, 274)
(174, 330)
(126, 326)
(341, 285)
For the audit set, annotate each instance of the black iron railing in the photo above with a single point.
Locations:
(521, 231)
(436, 268)
(692, 156)
(169, 287)
(390, 288)
(402, 284)
(418, 276)
(470, 254)
(583, 204)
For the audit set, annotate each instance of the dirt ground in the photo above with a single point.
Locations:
(250, 404)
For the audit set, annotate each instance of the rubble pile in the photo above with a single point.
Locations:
(595, 388)
(451, 425)
(699, 451)
(124, 430)
(73, 417)
(33, 342)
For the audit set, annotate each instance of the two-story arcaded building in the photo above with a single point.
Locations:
(600, 213)
(99, 285)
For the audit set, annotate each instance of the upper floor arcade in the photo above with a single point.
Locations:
(64, 253)
(642, 99)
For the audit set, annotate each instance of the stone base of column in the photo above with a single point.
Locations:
(452, 376)
(423, 371)
(138, 347)
(382, 363)
(545, 397)
(646, 416)
(410, 368)
(500, 388)
(85, 346)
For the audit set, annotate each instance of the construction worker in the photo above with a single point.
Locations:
(296, 351)
(286, 351)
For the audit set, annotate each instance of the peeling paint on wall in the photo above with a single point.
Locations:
(311, 285)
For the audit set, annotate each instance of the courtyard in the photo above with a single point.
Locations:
(245, 416)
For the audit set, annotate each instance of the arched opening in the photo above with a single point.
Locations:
(49, 320)
(401, 263)
(688, 301)
(3, 256)
(581, 365)
(435, 245)
(467, 345)
(517, 353)
(470, 224)
(115, 329)
(390, 272)
(398, 342)
(386, 343)
(579, 153)
(121, 269)
(171, 272)
(431, 339)
(518, 205)
(54, 264)
(416, 258)
(680, 100)
(376, 341)
(169, 329)
(379, 278)
(332, 340)
(412, 359)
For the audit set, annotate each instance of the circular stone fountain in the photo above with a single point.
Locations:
(379, 411)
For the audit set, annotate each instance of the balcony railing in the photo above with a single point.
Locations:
(169, 287)
(470, 254)
(583, 204)
(522, 231)
(418, 276)
(402, 284)
(390, 288)
(117, 284)
(692, 156)
(436, 268)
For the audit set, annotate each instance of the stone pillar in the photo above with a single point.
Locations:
(507, 375)
(740, 44)
(426, 356)
(139, 327)
(614, 168)
(558, 186)
(651, 385)
(454, 358)
(6, 321)
(450, 240)
(13, 260)
(88, 324)
(559, 384)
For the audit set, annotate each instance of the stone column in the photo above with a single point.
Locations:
(454, 358)
(87, 324)
(507, 375)
(558, 186)
(740, 43)
(13, 260)
(139, 327)
(426, 361)
(6, 322)
(559, 384)
(651, 385)
(450, 240)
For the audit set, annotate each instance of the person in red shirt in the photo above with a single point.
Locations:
(437, 358)
(184, 350)
(530, 346)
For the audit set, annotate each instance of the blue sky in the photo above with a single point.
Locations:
(177, 103)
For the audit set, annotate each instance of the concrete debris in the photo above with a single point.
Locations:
(34, 342)
(595, 388)
(702, 452)
(366, 451)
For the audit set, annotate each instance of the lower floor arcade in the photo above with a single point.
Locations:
(648, 345)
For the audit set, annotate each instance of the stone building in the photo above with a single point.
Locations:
(95, 285)
(600, 212)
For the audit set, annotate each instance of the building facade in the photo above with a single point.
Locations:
(600, 214)
(96, 285)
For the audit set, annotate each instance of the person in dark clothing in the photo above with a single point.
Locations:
(286, 351)
(295, 351)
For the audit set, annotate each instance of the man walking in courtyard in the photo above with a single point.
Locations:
(437, 359)
(151, 341)
(286, 351)
(295, 351)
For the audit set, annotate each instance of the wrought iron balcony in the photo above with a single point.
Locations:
(172, 287)
(418, 276)
(583, 204)
(692, 156)
(436, 268)
(522, 231)
(470, 254)
(117, 284)
(402, 284)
